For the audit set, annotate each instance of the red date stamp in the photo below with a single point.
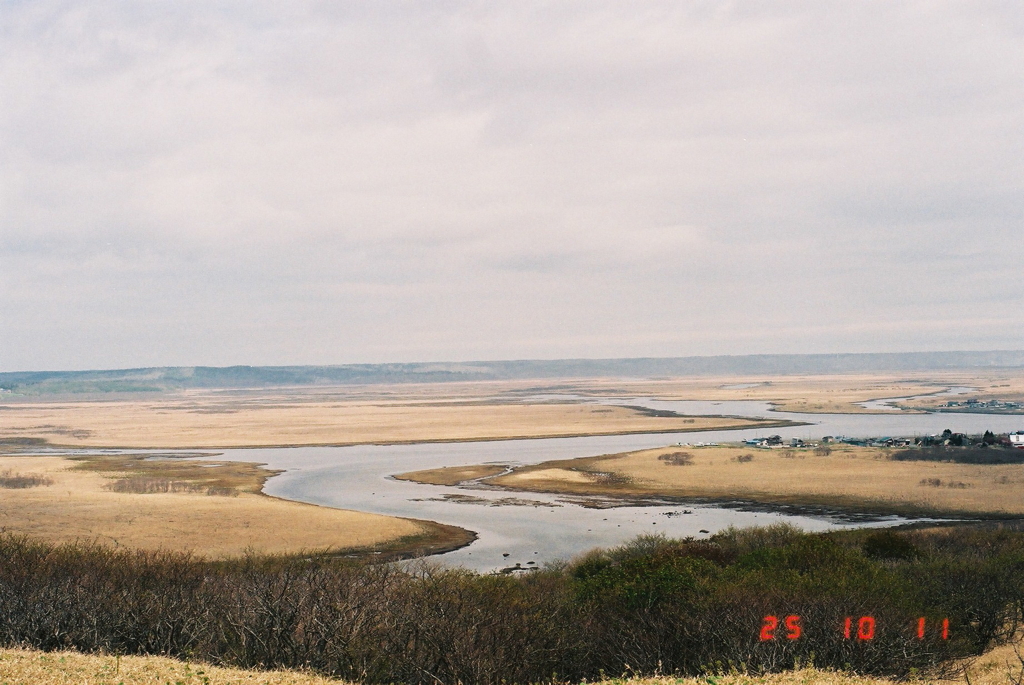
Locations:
(860, 628)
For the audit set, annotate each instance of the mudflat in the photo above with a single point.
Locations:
(848, 477)
(219, 514)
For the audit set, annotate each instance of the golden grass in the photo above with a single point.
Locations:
(32, 667)
(856, 477)
(448, 411)
(804, 676)
(218, 420)
(80, 506)
(816, 393)
(1000, 666)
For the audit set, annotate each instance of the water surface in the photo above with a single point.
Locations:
(558, 527)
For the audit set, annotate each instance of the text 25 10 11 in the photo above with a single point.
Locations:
(852, 628)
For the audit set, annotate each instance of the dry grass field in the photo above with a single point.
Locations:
(31, 667)
(447, 411)
(1001, 666)
(223, 420)
(817, 394)
(177, 505)
(858, 478)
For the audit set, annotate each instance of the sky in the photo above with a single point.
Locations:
(219, 182)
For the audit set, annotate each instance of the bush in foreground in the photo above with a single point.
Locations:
(652, 606)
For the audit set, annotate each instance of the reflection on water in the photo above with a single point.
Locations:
(555, 526)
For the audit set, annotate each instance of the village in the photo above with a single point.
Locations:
(983, 406)
(945, 439)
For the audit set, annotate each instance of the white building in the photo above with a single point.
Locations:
(1017, 439)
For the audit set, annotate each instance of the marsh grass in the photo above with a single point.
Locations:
(227, 420)
(13, 481)
(141, 485)
(451, 475)
(144, 474)
(849, 477)
(152, 502)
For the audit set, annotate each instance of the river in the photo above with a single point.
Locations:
(558, 527)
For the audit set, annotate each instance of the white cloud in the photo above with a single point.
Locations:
(264, 183)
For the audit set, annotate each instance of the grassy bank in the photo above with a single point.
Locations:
(33, 667)
(1000, 666)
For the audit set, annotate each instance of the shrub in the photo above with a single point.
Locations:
(962, 455)
(938, 483)
(887, 544)
(145, 485)
(652, 605)
(677, 458)
(12, 480)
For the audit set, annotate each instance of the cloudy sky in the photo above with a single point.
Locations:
(314, 183)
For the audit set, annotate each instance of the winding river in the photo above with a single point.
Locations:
(551, 527)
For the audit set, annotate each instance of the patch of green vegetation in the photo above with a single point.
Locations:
(12, 480)
(973, 454)
(141, 485)
(143, 473)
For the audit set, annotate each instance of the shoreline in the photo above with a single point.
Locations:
(440, 538)
(204, 507)
(436, 538)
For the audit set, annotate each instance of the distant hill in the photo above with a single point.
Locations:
(160, 379)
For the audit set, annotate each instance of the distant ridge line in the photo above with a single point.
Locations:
(155, 379)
